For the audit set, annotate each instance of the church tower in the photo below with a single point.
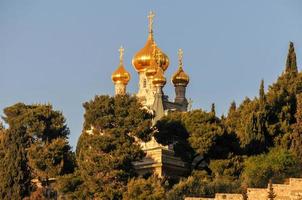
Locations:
(120, 76)
(142, 60)
(180, 80)
(151, 62)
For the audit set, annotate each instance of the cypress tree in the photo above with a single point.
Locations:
(233, 107)
(244, 192)
(291, 63)
(213, 109)
(15, 176)
(296, 136)
(271, 194)
(262, 93)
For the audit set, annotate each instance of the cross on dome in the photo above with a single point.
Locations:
(150, 17)
(121, 50)
(180, 55)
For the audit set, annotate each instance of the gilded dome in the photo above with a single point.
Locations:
(152, 68)
(142, 58)
(120, 75)
(180, 77)
(159, 78)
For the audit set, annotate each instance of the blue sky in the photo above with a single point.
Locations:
(63, 52)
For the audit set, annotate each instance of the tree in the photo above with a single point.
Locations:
(200, 184)
(277, 164)
(244, 192)
(144, 189)
(108, 144)
(15, 176)
(296, 136)
(37, 138)
(291, 63)
(71, 186)
(213, 110)
(262, 97)
(271, 194)
(281, 99)
(170, 129)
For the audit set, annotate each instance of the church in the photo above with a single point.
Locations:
(150, 63)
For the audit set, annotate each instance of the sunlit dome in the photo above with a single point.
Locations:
(142, 59)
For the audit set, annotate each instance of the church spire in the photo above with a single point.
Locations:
(180, 77)
(120, 76)
(180, 80)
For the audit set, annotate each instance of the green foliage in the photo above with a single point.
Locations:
(281, 98)
(201, 185)
(231, 167)
(291, 63)
(35, 147)
(296, 136)
(71, 186)
(15, 176)
(122, 112)
(105, 154)
(204, 128)
(51, 159)
(171, 130)
(262, 97)
(278, 164)
(144, 189)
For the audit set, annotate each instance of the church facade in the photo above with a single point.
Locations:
(150, 63)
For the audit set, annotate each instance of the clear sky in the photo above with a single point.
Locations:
(64, 51)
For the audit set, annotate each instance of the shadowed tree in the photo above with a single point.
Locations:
(108, 144)
(37, 147)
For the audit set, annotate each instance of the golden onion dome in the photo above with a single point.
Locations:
(120, 75)
(152, 68)
(180, 77)
(142, 59)
(159, 78)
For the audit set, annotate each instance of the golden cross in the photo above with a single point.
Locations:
(150, 17)
(121, 50)
(180, 54)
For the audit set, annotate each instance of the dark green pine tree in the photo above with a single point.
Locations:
(271, 194)
(291, 63)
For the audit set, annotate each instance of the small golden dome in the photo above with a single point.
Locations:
(120, 75)
(159, 78)
(180, 77)
(142, 58)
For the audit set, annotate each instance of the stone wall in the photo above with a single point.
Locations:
(291, 190)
